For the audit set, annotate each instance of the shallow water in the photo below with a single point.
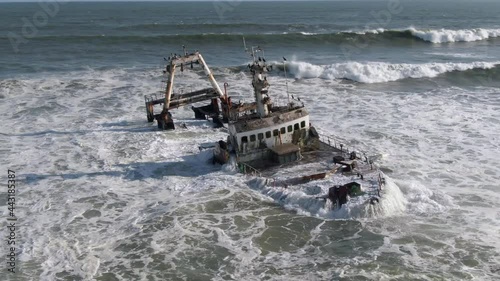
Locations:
(106, 196)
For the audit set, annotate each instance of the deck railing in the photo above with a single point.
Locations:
(340, 145)
(247, 169)
(381, 182)
(345, 150)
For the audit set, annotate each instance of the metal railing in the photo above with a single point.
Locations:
(381, 182)
(340, 145)
(247, 169)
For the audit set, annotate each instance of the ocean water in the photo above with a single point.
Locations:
(104, 195)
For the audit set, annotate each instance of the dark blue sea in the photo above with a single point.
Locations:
(104, 195)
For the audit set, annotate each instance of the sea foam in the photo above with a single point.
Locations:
(448, 35)
(379, 72)
(437, 35)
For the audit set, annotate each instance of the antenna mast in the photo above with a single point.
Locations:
(259, 68)
(286, 81)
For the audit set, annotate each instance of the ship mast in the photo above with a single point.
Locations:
(185, 60)
(259, 70)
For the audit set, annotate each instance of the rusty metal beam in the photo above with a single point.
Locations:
(170, 87)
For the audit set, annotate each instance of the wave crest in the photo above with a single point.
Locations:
(378, 72)
(448, 36)
(307, 37)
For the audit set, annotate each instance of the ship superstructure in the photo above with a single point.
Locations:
(266, 132)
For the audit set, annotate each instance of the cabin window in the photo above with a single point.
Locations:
(276, 132)
(244, 139)
(283, 130)
(290, 129)
(260, 136)
(296, 126)
(302, 124)
(252, 138)
(268, 134)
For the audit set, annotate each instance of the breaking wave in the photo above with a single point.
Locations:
(408, 35)
(379, 72)
(304, 201)
(430, 35)
(463, 35)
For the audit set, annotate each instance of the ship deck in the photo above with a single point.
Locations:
(318, 165)
(314, 164)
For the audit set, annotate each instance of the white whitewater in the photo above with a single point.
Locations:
(379, 72)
